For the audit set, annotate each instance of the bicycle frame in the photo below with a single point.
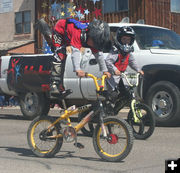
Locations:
(133, 100)
(72, 110)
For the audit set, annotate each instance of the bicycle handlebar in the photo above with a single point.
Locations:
(102, 79)
(130, 84)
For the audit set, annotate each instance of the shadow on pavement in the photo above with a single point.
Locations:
(65, 154)
(20, 151)
(62, 154)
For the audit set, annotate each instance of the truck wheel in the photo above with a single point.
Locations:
(34, 104)
(164, 99)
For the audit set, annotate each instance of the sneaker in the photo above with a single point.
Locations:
(54, 89)
(61, 94)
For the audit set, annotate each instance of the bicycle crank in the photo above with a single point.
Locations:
(69, 134)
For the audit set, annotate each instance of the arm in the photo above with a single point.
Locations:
(101, 62)
(110, 60)
(102, 65)
(133, 64)
(75, 56)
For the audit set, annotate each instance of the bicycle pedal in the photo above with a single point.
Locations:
(78, 145)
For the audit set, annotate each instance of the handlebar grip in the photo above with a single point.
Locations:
(86, 74)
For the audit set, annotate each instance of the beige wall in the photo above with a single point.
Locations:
(7, 20)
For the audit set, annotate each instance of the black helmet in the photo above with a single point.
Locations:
(124, 31)
(99, 32)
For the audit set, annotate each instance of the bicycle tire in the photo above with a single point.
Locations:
(39, 123)
(146, 124)
(115, 140)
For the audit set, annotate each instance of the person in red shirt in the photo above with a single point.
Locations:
(70, 36)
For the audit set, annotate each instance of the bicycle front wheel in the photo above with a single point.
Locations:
(118, 143)
(40, 139)
(144, 128)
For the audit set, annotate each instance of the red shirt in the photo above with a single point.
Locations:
(122, 62)
(73, 34)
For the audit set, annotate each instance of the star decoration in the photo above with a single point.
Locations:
(82, 16)
(80, 9)
(54, 6)
(71, 4)
(62, 6)
(72, 14)
(86, 11)
(70, 10)
(97, 12)
(44, 5)
(79, 15)
(95, 1)
(43, 15)
(62, 13)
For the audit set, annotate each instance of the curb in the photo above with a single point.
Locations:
(52, 109)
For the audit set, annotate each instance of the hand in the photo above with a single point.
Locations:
(68, 49)
(82, 50)
(117, 72)
(80, 73)
(141, 72)
(107, 73)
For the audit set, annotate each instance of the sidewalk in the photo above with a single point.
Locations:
(10, 107)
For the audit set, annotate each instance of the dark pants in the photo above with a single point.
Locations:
(58, 62)
(57, 72)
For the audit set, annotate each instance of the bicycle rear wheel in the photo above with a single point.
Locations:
(118, 143)
(145, 127)
(39, 138)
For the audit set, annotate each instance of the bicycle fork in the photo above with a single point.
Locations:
(102, 115)
(136, 119)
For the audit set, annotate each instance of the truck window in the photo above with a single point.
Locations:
(157, 38)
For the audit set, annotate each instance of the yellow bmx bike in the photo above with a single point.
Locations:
(112, 136)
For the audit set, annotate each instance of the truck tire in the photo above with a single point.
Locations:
(33, 104)
(164, 99)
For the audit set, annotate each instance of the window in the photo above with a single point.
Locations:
(115, 5)
(23, 22)
(156, 38)
(153, 38)
(175, 6)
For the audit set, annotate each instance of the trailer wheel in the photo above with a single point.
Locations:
(33, 104)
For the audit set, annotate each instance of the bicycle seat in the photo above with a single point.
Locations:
(62, 95)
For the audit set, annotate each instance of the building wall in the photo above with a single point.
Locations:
(158, 13)
(26, 49)
(7, 29)
(153, 12)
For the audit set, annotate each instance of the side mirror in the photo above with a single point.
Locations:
(92, 62)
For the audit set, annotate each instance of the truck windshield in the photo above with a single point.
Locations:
(156, 38)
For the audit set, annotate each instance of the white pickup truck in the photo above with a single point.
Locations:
(156, 50)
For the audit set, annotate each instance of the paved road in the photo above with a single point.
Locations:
(146, 156)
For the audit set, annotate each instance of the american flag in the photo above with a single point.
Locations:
(46, 48)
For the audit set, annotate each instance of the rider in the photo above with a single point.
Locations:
(70, 36)
(120, 57)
